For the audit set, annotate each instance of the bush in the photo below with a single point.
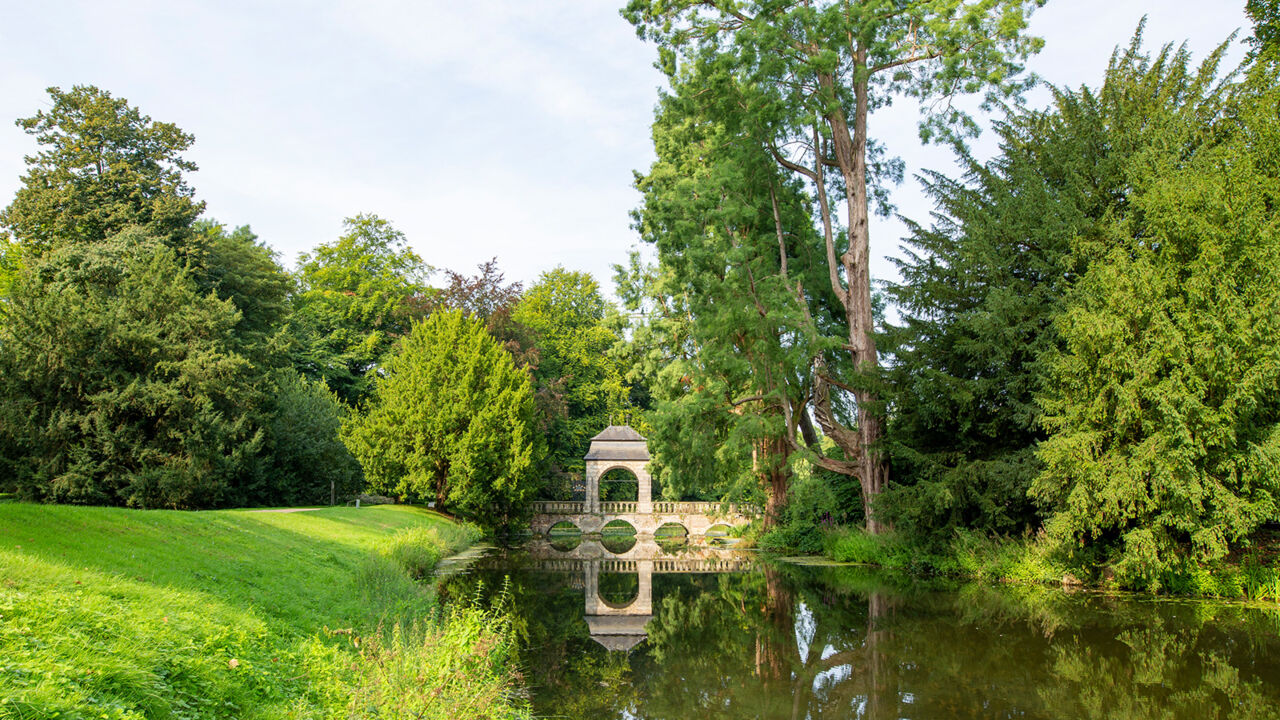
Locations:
(309, 464)
(854, 545)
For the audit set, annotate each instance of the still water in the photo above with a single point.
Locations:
(643, 632)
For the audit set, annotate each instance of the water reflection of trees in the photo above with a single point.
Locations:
(801, 643)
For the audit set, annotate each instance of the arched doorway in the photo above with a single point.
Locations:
(618, 484)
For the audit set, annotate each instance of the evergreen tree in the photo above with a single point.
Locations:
(983, 287)
(1163, 405)
(309, 464)
(119, 382)
(453, 419)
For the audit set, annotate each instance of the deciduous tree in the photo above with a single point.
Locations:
(351, 304)
(104, 167)
(816, 71)
(565, 314)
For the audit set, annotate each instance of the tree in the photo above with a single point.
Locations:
(10, 263)
(309, 465)
(815, 72)
(488, 297)
(735, 245)
(981, 289)
(452, 418)
(1163, 405)
(351, 304)
(240, 268)
(565, 314)
(119, 383)
(106, 167)
(1265, 15)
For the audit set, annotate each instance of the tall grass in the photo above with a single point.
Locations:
(1037, 561)
(124, 615)
(453, 668)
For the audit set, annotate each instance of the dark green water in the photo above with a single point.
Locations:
(665, 638)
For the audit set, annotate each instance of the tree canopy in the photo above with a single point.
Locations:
(566, 317)
(120, 383)
(452, 419)
(351, 303)
(806, 77)
(1163, 402)
(104, 167)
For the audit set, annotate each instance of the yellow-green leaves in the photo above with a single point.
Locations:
(451, 419)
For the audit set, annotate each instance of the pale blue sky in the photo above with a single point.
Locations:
(480, 128)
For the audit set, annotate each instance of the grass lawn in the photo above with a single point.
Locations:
(115, 613)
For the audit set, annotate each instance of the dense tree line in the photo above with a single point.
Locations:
(767, 162)
(152, 357)
(1086, 330)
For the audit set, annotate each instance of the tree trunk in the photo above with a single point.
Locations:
(882, 695)
(774, 475)
(850, 149)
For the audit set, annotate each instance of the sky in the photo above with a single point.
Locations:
(480, 129)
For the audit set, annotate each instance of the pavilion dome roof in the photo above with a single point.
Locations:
(618, 442)
(619, 433)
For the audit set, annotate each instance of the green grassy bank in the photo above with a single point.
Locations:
(114, 613)
(1253, 575)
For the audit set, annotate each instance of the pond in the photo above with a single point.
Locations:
(707, 633)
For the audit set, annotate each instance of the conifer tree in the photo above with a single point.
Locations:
(452, 419)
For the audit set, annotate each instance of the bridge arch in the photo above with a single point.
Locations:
(618, 590)
(672, 530)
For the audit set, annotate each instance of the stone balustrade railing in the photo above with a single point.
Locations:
(574, 507)
(559, 507)
(703, 508)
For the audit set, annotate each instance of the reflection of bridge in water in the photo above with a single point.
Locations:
(621, 626)
(619, 447)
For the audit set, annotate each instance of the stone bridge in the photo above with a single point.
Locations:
(620, 626)
(695, 517)
(620, 447)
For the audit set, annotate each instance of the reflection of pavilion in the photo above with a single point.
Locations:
(622, 626)
(618, 627)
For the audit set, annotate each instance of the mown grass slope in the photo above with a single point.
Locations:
(114, 613)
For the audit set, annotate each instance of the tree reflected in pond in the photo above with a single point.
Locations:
(789, 642)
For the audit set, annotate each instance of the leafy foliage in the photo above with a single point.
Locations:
(566, 315)
(351, 304)
(451, 418)
(309, 464)
(1164, 404)
(105, 167)
(121, 382)
(798, 81)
